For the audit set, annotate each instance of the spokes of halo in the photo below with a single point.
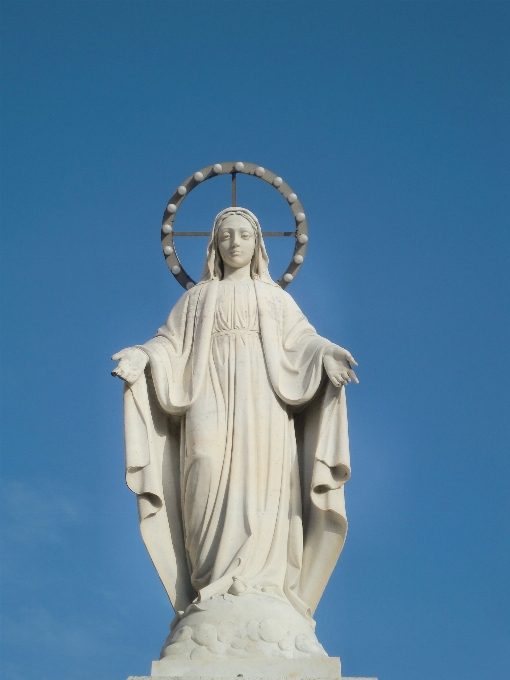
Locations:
(300, 232)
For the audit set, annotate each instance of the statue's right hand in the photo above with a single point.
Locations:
(132, 362)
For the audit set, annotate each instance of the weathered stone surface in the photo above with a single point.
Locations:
(318, 667)
(251, 677)
(243, 536)
(241, 508)
(251, 626)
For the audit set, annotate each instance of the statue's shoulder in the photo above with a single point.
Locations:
(268, 286)
(197, 288)
(189, 298)
(195, 291)
(277, 292)
(282, 305)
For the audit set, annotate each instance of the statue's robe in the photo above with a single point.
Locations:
(237, 448)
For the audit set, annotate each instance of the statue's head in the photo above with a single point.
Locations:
(236, 239)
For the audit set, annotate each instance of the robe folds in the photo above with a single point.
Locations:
(237, 448)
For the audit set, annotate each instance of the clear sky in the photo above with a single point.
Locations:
(391, 122)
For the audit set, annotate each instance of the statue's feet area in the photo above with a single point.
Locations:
(249, 626)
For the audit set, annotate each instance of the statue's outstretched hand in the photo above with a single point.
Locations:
(132, 362)
(338, 363)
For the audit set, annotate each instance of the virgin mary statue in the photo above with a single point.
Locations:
(237, 449)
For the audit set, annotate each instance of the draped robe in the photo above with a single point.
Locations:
(237, 448)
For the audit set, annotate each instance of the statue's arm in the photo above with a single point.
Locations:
(133, 360)
(338, 362)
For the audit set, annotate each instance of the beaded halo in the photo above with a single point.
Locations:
(233, 168)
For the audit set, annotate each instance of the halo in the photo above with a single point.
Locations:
(233, 168)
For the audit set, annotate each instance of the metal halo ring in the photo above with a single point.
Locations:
(237, 167)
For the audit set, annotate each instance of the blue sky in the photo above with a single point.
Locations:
(390, 120)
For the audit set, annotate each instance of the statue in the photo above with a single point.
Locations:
(237, 449)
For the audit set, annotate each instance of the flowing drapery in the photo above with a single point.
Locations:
(303, 419)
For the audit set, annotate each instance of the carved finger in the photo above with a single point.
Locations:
(354, 376)
(351, 360)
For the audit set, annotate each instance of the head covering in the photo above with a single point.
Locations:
(213, 267)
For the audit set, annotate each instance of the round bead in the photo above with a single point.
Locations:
(288, 277)
(292, 198)
(167, 228)
(182, 190)
(168, 250)
(300, 217)
(189, 285)
(260, 171)
(217, 167)
(198, 176)
(302, 238)
(239, 167)
(176, 269)
(171, 207)
(298, 259)
(278, 181)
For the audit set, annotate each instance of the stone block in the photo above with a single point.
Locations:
(317, 667)
(327, 668)
(250, 677)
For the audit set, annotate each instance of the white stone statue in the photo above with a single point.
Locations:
(237, 449)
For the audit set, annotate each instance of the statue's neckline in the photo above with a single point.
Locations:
(243, 282)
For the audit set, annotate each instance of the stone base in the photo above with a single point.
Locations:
(322, 667)
(254, 625)
(325, 668)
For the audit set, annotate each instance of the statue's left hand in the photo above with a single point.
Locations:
(338, 363)
(132, 362)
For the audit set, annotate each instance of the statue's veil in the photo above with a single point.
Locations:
(213, 267)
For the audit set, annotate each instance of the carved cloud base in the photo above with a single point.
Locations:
(250, 625)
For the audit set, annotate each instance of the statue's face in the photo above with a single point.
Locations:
(236, 241)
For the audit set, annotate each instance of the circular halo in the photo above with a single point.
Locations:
(234, 167)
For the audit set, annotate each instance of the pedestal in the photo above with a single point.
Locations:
(323, 667)
(326, 668)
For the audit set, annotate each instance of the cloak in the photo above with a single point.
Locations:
(155, 411)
